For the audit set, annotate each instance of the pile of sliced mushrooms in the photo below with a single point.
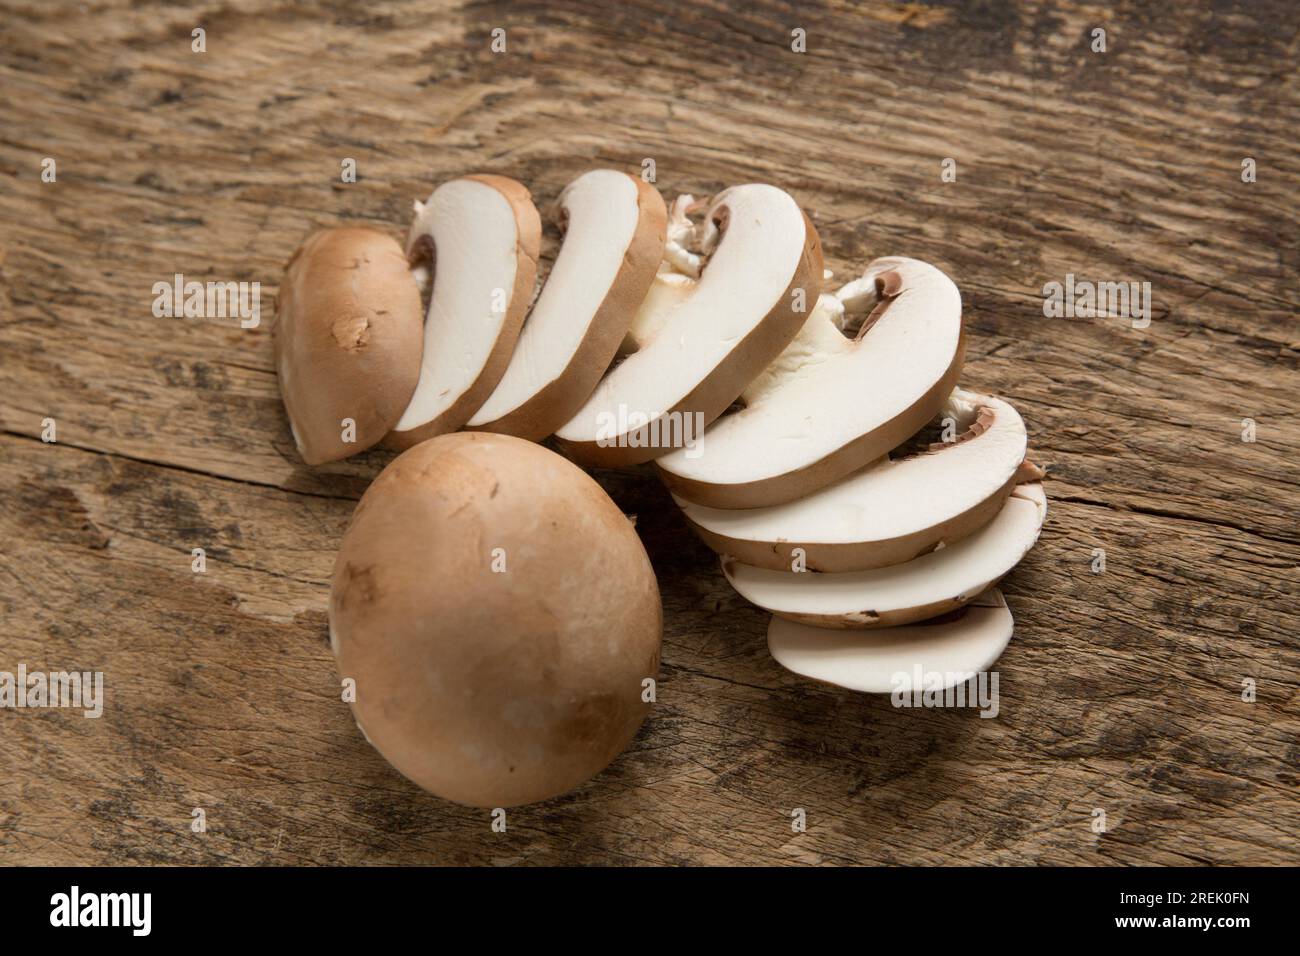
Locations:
(790, 424)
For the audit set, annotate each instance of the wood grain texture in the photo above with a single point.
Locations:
(1120, 691)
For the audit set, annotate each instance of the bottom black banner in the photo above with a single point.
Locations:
(335, 906)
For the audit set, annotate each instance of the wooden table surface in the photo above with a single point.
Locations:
(1122, 691)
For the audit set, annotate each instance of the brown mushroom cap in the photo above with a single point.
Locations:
(348, 339)
(487, 687)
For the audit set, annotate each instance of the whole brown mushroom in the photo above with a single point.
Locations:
(500, 618)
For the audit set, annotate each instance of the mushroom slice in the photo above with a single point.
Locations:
(696, 351)
(889, 512)
(922, 588)
(477, 240)
(830, 404)
(613, 244)
(347, 341)
(949, 650)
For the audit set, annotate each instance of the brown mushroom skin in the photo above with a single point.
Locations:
(494, 688)
(348, 339)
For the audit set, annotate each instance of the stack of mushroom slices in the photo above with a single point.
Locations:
(872, 565)
(656, 324)
(380, 345)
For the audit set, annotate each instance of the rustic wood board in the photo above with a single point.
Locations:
(1121, 692)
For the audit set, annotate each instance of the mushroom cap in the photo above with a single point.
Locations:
(499, 615)
(347, 340)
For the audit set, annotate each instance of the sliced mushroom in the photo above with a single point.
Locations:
(347, 341)
(613, 245)
(955, 647)
(922, 588)
(830, 404)
(693, 357)
(889, 512)
(477, 240)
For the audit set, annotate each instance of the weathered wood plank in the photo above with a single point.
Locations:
(1121, 691)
